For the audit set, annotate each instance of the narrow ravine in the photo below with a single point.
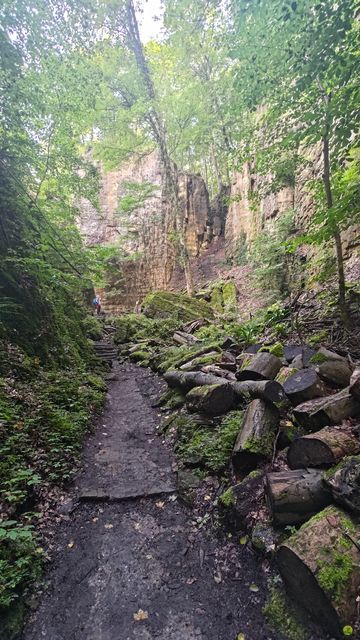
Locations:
(130, 560)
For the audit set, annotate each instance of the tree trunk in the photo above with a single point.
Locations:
(157, 126)
(256, 438)
(335, 370)
(187, 380)
(303, 385)
(355, 384)
(263, 366)
(322, 412)
(344, 483)
(212, 400)
(336, 231)
(295, 496)
(268, 390)
(323, 448)
(320, 565)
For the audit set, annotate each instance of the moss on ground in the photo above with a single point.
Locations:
(318, 338)
(227, 499)
(282, 615)
(318, 358)
(207, 447)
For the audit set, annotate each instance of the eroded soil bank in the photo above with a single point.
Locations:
(141, 568)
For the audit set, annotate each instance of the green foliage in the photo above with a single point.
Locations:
(269, 255)
(318, 358)
(93, 327)
(205, 447)
(21, 560)
(227, 499)
(318, 338)
(136, 195)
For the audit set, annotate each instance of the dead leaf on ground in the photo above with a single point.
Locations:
(140, 615)
(137, 526)
(160, 504)
(71, 544)
(108, 525)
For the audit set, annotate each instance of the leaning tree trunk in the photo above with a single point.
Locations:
(294, 496)
(320, 565)
(158, 129)
(323, 448)
(336, 230)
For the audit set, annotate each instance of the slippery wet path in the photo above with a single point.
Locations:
(131, 563)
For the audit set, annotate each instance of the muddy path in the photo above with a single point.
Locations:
(130, 562)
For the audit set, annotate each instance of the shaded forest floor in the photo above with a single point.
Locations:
(150, 567)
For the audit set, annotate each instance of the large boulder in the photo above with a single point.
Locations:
(162, 304)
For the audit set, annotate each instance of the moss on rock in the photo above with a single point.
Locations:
(163, 304)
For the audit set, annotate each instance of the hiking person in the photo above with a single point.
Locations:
(97, 304)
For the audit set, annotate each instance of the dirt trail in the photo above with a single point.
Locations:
(118, 558)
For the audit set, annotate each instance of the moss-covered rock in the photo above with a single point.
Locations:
(216, 299)
(230, 292)
(163, 304)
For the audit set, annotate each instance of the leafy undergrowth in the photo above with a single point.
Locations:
(207, 447)
(44, 415)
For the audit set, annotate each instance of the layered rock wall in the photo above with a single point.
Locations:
(144, 237)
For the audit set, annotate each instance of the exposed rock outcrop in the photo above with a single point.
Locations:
(145, 235)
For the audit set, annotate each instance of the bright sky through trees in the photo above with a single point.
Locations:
(151, 20)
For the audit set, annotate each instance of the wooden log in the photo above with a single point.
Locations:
(212, 400)
(263, 366)
(334, 369)
(217, 371)
(355, 384)
(268, 390)
(320, 566)
(292, 351)
(322, 412)
(197, 363)
(295, 496)
(187, 380)
(256, 438)
(180, 337)
(304, 385)
(344, 483)
(323, 448)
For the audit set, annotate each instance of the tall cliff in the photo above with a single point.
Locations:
(145, 235)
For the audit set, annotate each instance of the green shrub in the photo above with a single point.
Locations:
(93, 327)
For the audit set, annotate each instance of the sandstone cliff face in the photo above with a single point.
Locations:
(247, 216)
(144, 237)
